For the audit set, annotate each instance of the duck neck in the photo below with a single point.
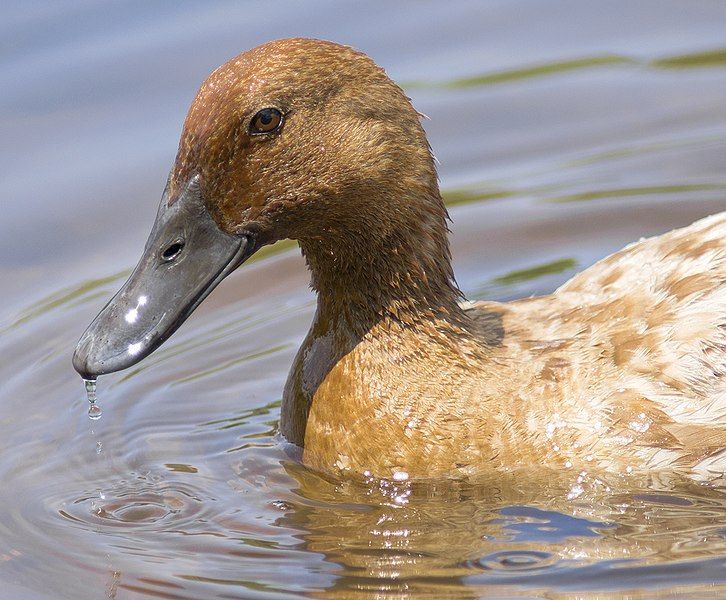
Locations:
(392, 270)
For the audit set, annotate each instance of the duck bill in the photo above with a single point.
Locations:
(184, 259)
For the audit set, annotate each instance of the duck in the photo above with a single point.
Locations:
(621, 369)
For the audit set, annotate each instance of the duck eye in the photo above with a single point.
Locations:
(266, 121)
(172, 251)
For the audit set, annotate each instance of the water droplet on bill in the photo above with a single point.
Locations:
(94, 410)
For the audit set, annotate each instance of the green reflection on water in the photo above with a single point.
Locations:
(245, 583)
(276, 248)
(709, 58)
(637, 191)
(551, 268)
(230, 363)
(64, 297)
(524, 72)
(244, 417)
(181, 468)
(505, 285)
(459, 196)
(645, 148)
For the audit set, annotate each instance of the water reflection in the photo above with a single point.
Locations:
(517, 531)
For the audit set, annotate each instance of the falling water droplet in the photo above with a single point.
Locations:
(94, 410)
(90, 389)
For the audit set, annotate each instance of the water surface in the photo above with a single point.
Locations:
(563, 130)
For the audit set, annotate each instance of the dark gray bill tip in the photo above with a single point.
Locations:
(185, 258)
(84, 358)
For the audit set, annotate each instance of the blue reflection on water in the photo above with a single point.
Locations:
(550, 526)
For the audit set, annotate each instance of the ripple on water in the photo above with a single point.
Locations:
(514, 560)
(140, 503)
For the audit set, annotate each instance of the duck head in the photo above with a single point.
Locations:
(299, 139)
